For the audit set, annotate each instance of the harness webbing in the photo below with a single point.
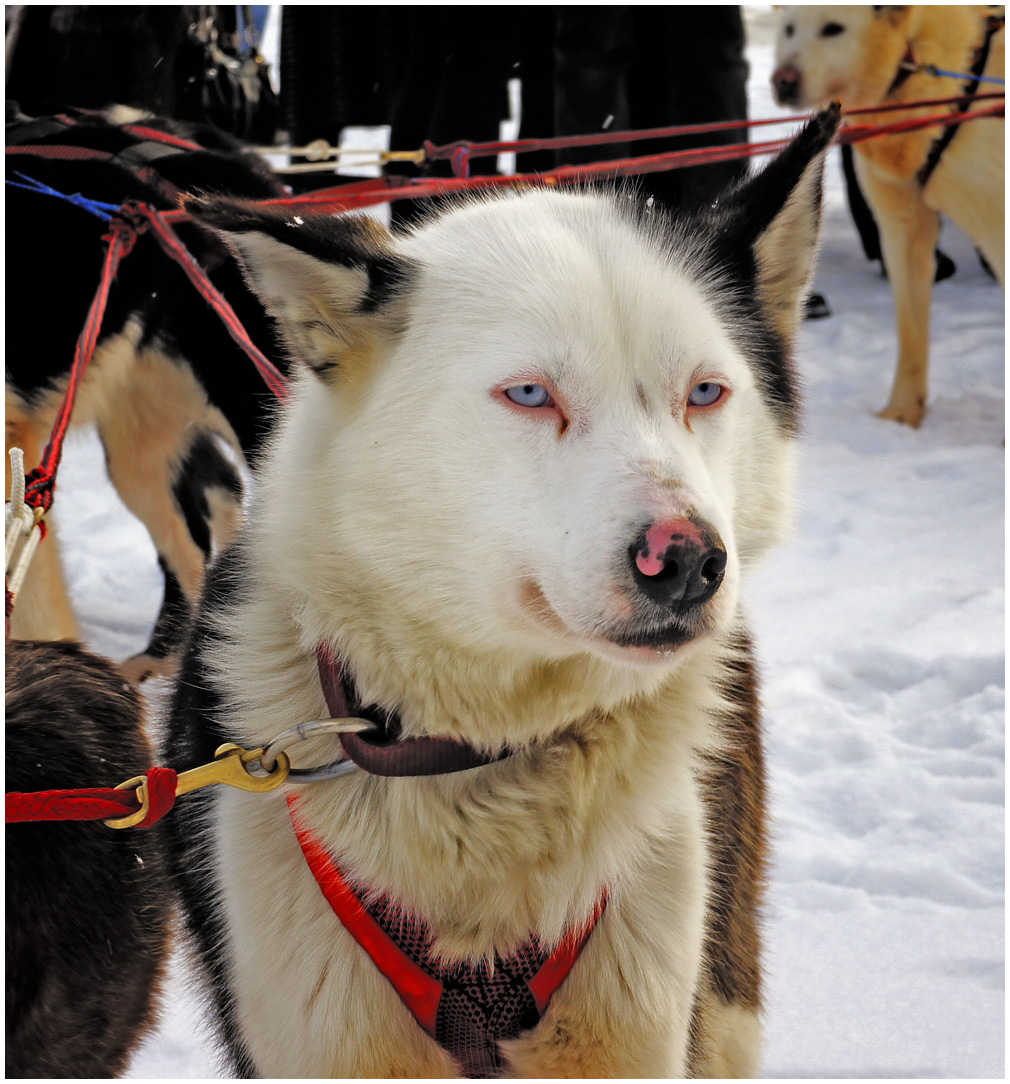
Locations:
(467, 1008)
(942, 142)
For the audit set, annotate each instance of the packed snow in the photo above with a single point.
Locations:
(880, 634)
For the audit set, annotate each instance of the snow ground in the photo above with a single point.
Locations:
(880, 633)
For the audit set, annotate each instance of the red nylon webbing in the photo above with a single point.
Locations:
(63, 153)
(92, 804)
(416, 988)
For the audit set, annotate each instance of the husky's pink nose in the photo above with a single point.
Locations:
(678, 564)
(786, 81)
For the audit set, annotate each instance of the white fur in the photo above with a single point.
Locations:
(409, 519)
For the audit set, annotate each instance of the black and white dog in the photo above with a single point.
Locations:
(537, 444)
(177, 404)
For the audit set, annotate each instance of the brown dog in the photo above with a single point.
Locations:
(88, 907)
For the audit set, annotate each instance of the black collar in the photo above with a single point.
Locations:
(382, 751)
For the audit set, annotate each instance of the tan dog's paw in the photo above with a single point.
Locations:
(906, 413)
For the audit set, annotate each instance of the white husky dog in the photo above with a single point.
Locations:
(534, 447)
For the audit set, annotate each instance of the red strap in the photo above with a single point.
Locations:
(41, 481)
(63, 153)
(416, 989)
(275, 380)
(93, 804)
(562, 960)
(156, 136)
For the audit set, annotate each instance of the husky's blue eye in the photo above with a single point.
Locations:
(705, 394)
(529, 395)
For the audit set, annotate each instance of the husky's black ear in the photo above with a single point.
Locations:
(330, 281)
(768, 227)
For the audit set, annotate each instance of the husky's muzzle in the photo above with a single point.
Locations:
(676, 568)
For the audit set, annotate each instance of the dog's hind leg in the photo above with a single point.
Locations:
(908, 235)
(726, 1028)
(163, 450)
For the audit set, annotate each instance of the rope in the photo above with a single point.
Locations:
(125, 226)
(932, 69)
(275, 380)
(378, 190)
(461, 151)
(42, 480)
(93, 804)
(434, 153)
(857, 133)
(104, 211)
(23, 531)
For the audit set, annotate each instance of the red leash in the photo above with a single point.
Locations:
(94, 804)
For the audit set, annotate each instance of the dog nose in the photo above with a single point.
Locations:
(677, 564)
(786, 81)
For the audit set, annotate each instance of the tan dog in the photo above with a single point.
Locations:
(864, 56)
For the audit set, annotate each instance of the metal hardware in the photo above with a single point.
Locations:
(138, 782)
(230, 766)
(313, 729)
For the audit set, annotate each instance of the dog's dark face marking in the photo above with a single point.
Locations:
(743, 229)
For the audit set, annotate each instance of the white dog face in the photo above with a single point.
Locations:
(844, 53)
(546, 425)
(558, 417)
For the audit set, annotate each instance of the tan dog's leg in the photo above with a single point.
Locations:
(908, 234)
(159, 416)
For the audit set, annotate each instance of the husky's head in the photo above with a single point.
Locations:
(550, 425)
(845, 53)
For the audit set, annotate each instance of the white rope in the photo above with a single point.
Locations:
(22, 530)
(320, 151)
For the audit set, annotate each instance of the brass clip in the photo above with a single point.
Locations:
(230, 766)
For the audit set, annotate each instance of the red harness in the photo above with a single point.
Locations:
(468, 1009)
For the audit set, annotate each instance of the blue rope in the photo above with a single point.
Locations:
(104, 211)
(934, 70)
